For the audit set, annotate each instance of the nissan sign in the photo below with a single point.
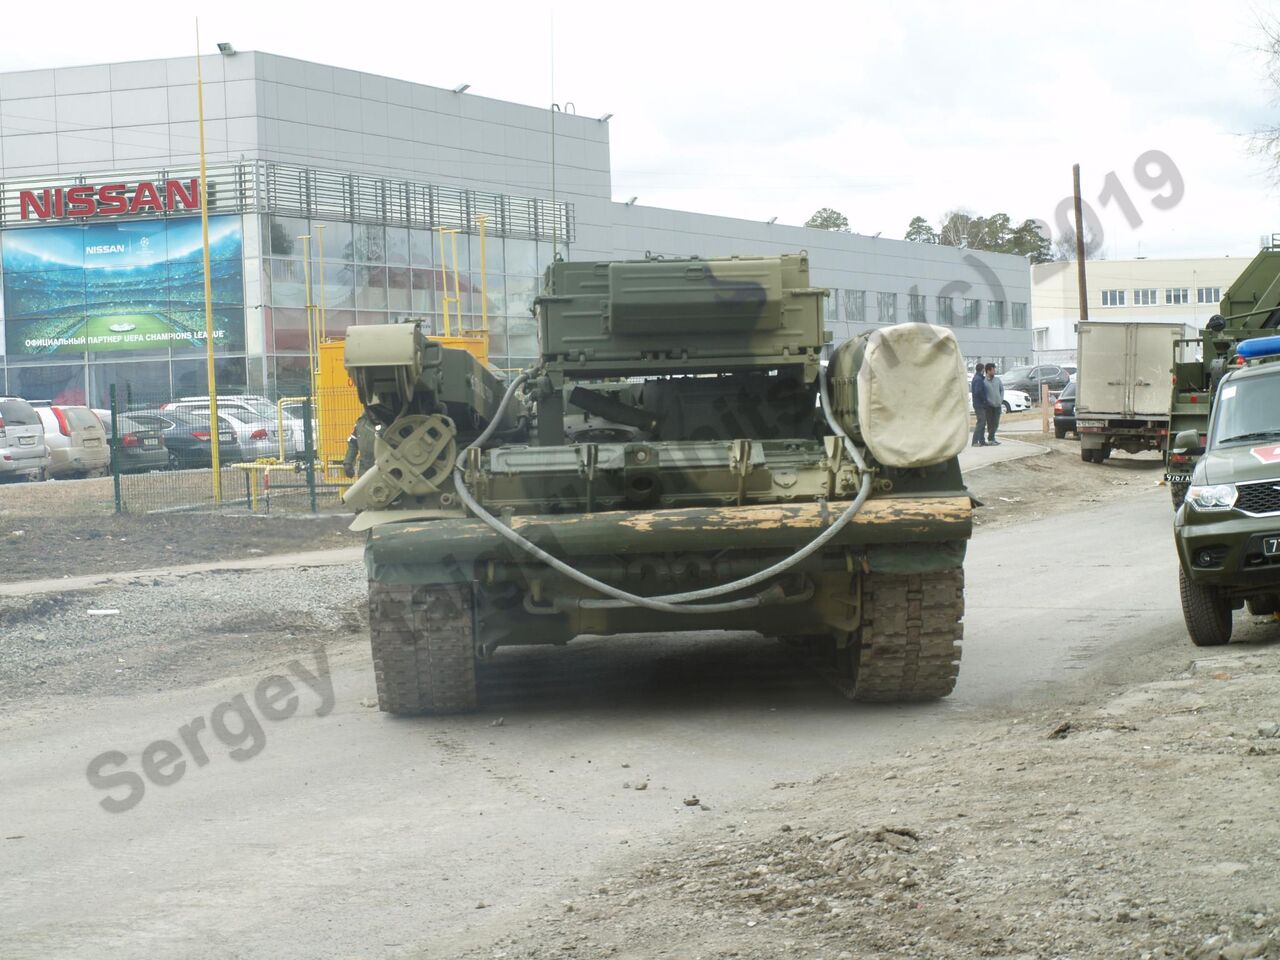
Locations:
(111, 199)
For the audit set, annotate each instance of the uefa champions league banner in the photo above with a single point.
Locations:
(121, 286)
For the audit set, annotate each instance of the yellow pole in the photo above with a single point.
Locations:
(457, 293)
(444, 283)
(484, 281)
(313, 352)
(324, 323)
(215, 458)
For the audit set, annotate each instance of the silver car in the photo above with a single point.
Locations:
(23, 451)
(77, 442)
(253, 409)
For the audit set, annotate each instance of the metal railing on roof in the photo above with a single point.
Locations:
(264, 186)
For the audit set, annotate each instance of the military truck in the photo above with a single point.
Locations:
(1122, 398)
(1250, 308)
(1228, 528)
(676, 461)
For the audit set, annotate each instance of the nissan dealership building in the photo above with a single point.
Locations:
(101, 269)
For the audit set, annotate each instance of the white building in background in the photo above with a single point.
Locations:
(1187, 291)
(100, 286)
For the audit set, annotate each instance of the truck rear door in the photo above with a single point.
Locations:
(1103, 375)
(1151, 362)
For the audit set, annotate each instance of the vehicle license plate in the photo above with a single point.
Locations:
(1271, 546)
(91, 442)
(151, 442)
(26, 441)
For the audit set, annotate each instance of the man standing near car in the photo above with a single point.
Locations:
(993, 395)
(978, 390)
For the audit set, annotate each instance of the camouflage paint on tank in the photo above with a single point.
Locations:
(694, 455)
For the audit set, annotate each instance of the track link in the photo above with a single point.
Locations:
(909, 642)
(423, 641)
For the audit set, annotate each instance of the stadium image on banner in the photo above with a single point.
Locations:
(121, 286)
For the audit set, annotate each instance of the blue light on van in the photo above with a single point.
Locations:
(1259, 347)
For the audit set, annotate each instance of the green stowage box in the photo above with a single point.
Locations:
(758, 311)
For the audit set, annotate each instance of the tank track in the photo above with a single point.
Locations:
(909, 646)
(423, 641)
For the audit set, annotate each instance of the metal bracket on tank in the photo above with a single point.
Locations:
(588, 461)
(835, 461)
(852, 604)
(740, 464)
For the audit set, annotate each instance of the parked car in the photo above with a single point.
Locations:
(256, 435)
(105, 417)
(77, 442)
(24, 453)
(187, 439)
(1016, 401)
(252, 409)
(1030, 378)
(1064, 412)
(141, 446)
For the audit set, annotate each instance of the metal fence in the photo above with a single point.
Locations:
(286, 455)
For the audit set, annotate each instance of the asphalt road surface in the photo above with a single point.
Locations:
(352, 834)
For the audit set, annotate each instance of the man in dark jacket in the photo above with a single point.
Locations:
(978, 392)
(360, 443)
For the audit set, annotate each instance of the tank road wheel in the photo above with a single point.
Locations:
(1178, 490)
(423, 648)
(909, 642)
(1206, 611)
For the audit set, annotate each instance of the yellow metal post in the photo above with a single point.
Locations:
(484, 279)
(456, 299)
(457, 293)
(444, 283)
(324, 322)
(215, 458)
(312, 346)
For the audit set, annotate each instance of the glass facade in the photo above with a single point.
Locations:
(88, 303)
(389, 274)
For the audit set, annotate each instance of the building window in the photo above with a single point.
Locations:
(946, 311)
(1019, 316)
(888, 307)
(969, 316)
(916, 308)
(1208, 294)
(1145, 297)
(855, 305)
(995, 313)
(1042, 338)
(1177, 295)
(1113, 298)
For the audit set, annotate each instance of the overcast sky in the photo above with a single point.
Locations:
(881, 111)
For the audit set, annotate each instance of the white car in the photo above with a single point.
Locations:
(1016, 401)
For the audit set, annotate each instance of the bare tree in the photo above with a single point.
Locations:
(1265, 142)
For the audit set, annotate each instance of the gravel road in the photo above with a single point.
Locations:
(557, 820)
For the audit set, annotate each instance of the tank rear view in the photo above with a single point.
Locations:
(667, 466)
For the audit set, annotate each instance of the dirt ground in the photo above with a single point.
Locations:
(1017, 491)
(1131, 819)
(1135, 826)
(67, 528)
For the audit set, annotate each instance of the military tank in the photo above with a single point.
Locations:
(681, 458)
